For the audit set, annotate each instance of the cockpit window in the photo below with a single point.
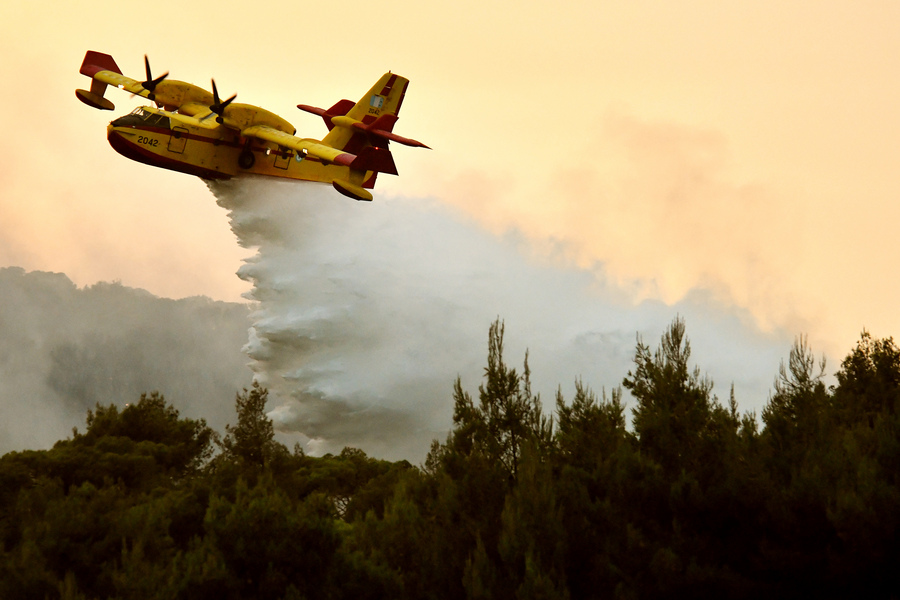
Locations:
(157, 120)
(150, 118)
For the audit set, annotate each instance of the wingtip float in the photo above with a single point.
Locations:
(194, 131)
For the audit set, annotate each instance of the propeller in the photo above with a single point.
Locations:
(219, 105)
(151, 83)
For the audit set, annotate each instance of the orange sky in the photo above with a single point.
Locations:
(748, 149)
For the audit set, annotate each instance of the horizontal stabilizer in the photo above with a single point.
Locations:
(396, 138)
(379, 129)
(341, 108)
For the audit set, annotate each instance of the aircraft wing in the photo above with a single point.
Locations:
(195, 109)
(122, 82)
(304, 146)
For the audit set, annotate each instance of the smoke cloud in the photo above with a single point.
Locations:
(362, 315)
(65, 349)
(366, 313)
(668, 209)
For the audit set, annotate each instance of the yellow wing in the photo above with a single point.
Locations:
(304, 146)
(173, 95)
(122, 82)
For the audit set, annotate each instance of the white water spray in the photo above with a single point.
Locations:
(367, 312)
(360, 326)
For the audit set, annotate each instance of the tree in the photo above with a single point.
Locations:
(507, 416)
(353, 482)
(475, 469)
(532, 540)
(794, 413)
(188, 442)
(673, 403)
(860, 457)
(252, 441)
(592, 446)
(267, 542)
(869, 380)
(588, 430)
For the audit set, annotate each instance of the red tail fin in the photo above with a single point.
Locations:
(95, 62)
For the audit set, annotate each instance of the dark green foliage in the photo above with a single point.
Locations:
(508, 416)
(140, 446)
(267, 542)
(252, 441)
(869, 381)
(672, 418)
(692, 500)
(352, 482)
(589, 431)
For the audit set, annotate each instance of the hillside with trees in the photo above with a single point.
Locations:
(688, 498)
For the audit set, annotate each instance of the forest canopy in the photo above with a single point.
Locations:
(520, 501)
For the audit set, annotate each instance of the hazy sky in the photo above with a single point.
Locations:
(743, 151)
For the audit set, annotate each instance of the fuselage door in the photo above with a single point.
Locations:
(178, 139)
(283, 157)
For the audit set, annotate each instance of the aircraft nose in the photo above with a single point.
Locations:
(121, 139)
(112, 130)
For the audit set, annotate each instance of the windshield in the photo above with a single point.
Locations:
(150, 118)
(142, 117)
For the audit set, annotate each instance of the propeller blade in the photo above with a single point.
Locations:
(151, 83)
(219, 105)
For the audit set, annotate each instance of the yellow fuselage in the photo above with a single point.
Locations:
(150, 137)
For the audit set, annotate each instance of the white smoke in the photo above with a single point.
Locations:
(367, 312)
(63, 349)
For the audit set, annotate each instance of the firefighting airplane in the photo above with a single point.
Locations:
(193, 131)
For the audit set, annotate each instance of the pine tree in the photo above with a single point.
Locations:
(507, 415)
(252, 441)
(673, 402)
